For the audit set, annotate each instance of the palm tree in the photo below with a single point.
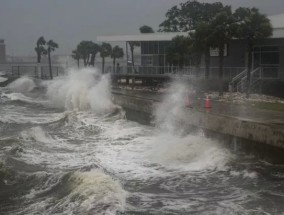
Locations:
(84, 48)
(116, 53)
(51, 46)
(94, 49)
(40, 50)
(222, 31)
(132, 45)
(76, 56)
(105, 51)
(146, 29)
(252, 26)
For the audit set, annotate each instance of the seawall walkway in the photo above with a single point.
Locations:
(243, 121)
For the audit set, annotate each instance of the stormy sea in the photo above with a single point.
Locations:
(65, 148)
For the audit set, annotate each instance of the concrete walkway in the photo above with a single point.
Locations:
(239, 111)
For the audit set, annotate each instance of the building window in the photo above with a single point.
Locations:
(266, 55)
(147, 60)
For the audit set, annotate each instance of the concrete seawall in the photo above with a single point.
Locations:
(270, 134)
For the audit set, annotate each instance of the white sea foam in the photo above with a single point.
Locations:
(81, 90)
(2, 79)
(170, 148)
(37, 134)
(91, 192)
(22, 85)
(192, 152)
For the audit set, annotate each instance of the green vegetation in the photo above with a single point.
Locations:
(45, 48)
(51, 46)
(252, 26)
(146, 29)
(116, 53)
(105, 51)
(40, 49)
(88, 50)
(132, 45)
(213, 26)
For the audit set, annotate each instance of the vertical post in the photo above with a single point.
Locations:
(126, 57)
(38, 70)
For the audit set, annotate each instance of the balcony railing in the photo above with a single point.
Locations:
(229, 72)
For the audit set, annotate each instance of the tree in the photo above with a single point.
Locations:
(76, 56)
(146, 29)
(51, 46)
(222, 31)
(251, 26)
(40, 49)
(84, 49)
(178, 50)
(94, 49)
(132, 45)
(116, 53)
(186, 16)
(201, 44)
(105, 51)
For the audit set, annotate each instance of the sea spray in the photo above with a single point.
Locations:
(172, 148)
(22, 85)
(82, 89)
(91, 192)
(169, 112)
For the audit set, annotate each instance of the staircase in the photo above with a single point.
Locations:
(239, 82)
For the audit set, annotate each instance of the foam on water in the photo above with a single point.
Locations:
(191, 152)
(164, 169)
(91, 192)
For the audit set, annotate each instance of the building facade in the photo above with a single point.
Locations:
(2, 51)
(268, 54)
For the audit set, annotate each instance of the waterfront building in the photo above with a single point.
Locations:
(268, 56)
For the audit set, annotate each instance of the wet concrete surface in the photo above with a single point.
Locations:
(240, 111)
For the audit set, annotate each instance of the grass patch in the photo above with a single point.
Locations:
(270, 106)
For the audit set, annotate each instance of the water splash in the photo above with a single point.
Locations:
(91, 192)
(22, 85)
(172, 148)
(82, 89)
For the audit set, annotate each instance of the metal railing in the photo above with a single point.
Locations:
(194, 72)
(31, 70)
(239, 82)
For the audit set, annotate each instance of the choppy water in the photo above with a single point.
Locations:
(66, 149)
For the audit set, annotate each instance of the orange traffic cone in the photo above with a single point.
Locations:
(207, 102)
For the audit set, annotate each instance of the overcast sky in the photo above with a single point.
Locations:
(69, 21)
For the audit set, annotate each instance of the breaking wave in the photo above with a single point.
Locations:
(81, 90)
(22, 85)
(91, 192)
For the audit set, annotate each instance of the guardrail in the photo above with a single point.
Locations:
(31, 70)
(229, 72)
(239, 82)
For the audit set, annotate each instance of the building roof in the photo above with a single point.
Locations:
(141, 37)
(277, 22)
